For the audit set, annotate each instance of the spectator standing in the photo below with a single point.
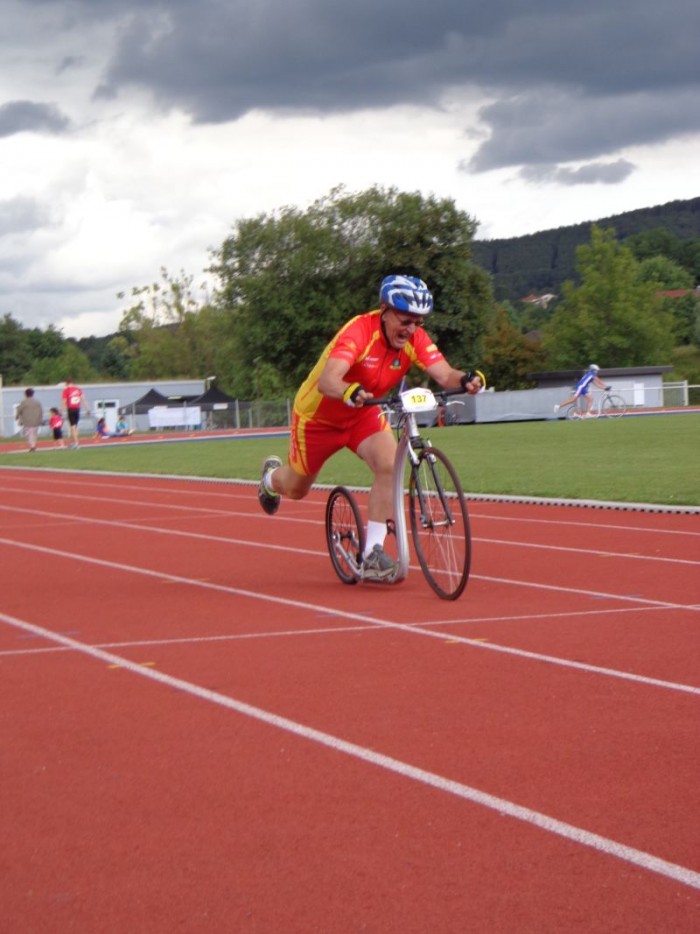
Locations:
(30, 415)
(74, 401)
(56, 425)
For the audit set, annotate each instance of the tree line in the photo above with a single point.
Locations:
(287, 280)
(543, 261)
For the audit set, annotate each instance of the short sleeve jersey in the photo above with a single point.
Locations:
(72, 397)
(585, 380)
(374, 364)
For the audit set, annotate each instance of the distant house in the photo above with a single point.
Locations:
(540, 300)
(678, 293)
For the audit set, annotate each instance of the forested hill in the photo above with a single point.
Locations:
(541, 262)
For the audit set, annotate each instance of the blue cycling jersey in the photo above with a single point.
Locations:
(584, 383)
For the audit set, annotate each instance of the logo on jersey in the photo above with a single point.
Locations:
(395, 364)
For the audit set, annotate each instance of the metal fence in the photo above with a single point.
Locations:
(664, 396)
(522, 405)
(510, 406)
(261, 414)
(491, 406)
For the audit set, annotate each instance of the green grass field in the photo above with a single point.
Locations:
(651, 459)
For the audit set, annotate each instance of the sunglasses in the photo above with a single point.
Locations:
(407, 321)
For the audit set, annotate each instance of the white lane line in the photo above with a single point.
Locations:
(500, 805)
(197, 512)
(232, 486)
(336, 630)
(335, 613)
(471, 496)
(591, 552)
(138, 526)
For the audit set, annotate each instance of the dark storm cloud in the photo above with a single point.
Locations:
(553, 126)
(30, 117)
(567, 81)
(601, 173)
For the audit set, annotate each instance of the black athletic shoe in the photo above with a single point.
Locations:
(270, 502)
(377, 565)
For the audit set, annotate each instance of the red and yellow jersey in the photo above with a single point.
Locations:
(373, 363)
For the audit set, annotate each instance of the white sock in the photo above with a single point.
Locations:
(376, 533)
(267, 481)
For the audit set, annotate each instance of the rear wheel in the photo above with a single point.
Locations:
(573, 412)
(345, 534)
(440, 523)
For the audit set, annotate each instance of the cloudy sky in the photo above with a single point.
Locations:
(134, 133)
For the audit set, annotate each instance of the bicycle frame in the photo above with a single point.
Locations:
(413, 401)
(405, 452)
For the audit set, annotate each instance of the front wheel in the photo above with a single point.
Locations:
(440, 523)
(345, 535)
(614, 406)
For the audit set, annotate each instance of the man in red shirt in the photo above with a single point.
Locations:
(73, 400)
(366, 359)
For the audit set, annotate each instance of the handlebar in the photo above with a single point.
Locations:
(394, 401)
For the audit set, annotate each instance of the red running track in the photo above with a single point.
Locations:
(203, 729)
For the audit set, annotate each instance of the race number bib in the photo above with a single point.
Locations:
(418, 400)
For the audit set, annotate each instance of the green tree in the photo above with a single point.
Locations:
(15, 351)
(669, 275)
(665, 272)
(164, 330)
(509, 355)
(612, 318)
(71, 363)
(289, 280)
(115, 359)
(27, 353)
(661, 242)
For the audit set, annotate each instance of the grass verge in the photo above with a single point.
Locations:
(650, 459)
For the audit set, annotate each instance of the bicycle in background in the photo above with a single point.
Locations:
(437, 509)
(608, 405)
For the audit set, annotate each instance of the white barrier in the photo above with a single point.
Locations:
(186, 416)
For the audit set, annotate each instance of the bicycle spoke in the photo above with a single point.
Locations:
(344, 534)
(440, 524)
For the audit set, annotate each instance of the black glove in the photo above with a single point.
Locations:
(472, 374)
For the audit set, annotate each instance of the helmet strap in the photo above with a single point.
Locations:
(383, 308)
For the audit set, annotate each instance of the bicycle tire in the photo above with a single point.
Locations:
(614, 406)
(573, 412)
(345, 534)
(440, 523)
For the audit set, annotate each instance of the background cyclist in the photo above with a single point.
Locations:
(367, 358)
(582, 388)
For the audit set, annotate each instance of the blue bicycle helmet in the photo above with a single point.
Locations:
(406, 293)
